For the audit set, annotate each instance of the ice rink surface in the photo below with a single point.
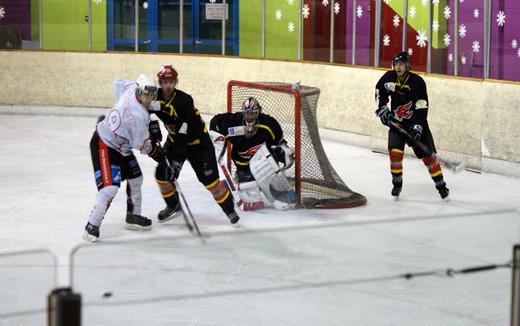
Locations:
(301, 267)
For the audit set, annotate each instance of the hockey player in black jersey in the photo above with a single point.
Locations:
(407, 119)
(247, 131)
(187, 139)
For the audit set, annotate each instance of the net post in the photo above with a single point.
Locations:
(515, 286)
(297, 145)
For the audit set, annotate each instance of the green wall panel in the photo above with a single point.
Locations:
(281, 43)
(250, 28)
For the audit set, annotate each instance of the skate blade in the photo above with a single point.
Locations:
(171, 217)
(90, 238)
(396, 198)
(136, 227)
(446, 199)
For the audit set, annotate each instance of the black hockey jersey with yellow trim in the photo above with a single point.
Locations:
(268, 131)
(409, 98)
(183, 121)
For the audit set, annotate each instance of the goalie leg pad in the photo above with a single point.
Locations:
(271, 180)
(250, 195)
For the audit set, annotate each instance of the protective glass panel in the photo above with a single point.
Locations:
(505, 49)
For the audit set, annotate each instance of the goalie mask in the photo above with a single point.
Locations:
(250, 111)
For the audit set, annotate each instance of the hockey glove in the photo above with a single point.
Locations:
(155, 132)
(416, 132)
(283, 154)
(175, 167)
(157, 153)
(383, 113)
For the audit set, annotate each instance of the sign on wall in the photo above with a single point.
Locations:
(214, 11)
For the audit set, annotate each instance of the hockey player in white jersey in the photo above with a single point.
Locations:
(123, 129)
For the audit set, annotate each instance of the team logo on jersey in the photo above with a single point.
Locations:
(404, 111)
(250, 152)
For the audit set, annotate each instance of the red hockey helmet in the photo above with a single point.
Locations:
(167, 72)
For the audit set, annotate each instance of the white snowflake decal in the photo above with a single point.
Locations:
(410, 51)
(514, 43)
(435, 25)
(278, 14)
(396, 21)
(388, 1)
(447, 39)
(290, 2)
(412, 12)
(421, 38)
(359, 11)
(447, 12)
(212, 1)
(424, 3)
(462, 31)
(476, 13)
(337, 8)
(2, 12)
(290, 27)
(325, 3)
(450, 57)
(435, 2)
(386, 40)
(518, 53)
(475, 46)
(461, 1)
(98, 1)
(463, 60)
(501, 18)
(306, 11)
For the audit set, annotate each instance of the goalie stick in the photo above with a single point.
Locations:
(453, 166)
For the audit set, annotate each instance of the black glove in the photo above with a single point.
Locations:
(157, 154)
(383, 113)
(155, 132)
(416, 132)
(175, 170)
(283, 154)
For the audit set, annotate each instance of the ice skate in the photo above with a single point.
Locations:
(396, 191)
(169, 213)
(137, 222)
(444, 192)
(91, 233)
(233, 218)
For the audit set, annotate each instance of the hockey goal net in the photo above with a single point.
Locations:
(315, 181)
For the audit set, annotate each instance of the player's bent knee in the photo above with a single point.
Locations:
(108, 193)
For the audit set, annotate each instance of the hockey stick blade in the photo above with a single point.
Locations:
(184, 205)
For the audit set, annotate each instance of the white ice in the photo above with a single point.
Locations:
(302, 267)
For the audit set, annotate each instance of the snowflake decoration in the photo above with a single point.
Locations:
(359, 11)
(410, 51)
(290, 27)
(396, 21)
(463, 60)
(325, 3)
(337, 8)
(98, 1)
(447, 39)
(447, 12)
(450, 57)
(388, 1)
(514, 43)
(475, 46)
(412, 12)
(421, 38)
(462, 31)
(386, 40)
(278, 14)
(461, 1)
(424, 3)
(306, 11)
(518, 53)
(212, 1)
(2, 12)
(435, 25)
(435, 2)
(290, 2)
(476, 13)
(501, 18)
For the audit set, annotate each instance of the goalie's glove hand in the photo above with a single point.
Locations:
(384, 114)
(416, 132)
(157, 153)
(283, 154)
(155, 132)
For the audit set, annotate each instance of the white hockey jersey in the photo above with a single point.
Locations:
(125, 127)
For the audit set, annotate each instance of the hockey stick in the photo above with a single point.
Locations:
(453, 166)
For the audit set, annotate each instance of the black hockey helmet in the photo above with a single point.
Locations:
(402, 57)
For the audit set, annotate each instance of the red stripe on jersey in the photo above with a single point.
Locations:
(104, 163)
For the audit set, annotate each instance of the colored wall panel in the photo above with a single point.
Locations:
(17, 14)
(282, 30)
(250, 28)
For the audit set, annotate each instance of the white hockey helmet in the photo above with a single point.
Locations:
(146, 85)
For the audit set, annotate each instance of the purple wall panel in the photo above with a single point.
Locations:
(505, 40)
(363, 30)
(17, 13)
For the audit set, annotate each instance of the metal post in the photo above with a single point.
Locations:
(405, 23)
(223, 27)
(89, 24)
(487, 36)
(515, 287)
(40, 23)
(456, 39)
(377, 33)
(300, 29)
(354, 3)
(331, 34)
(181, 27)
(430, 38)
(136, 32)
(264, 13)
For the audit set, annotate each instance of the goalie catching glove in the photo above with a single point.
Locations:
(283, 154)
